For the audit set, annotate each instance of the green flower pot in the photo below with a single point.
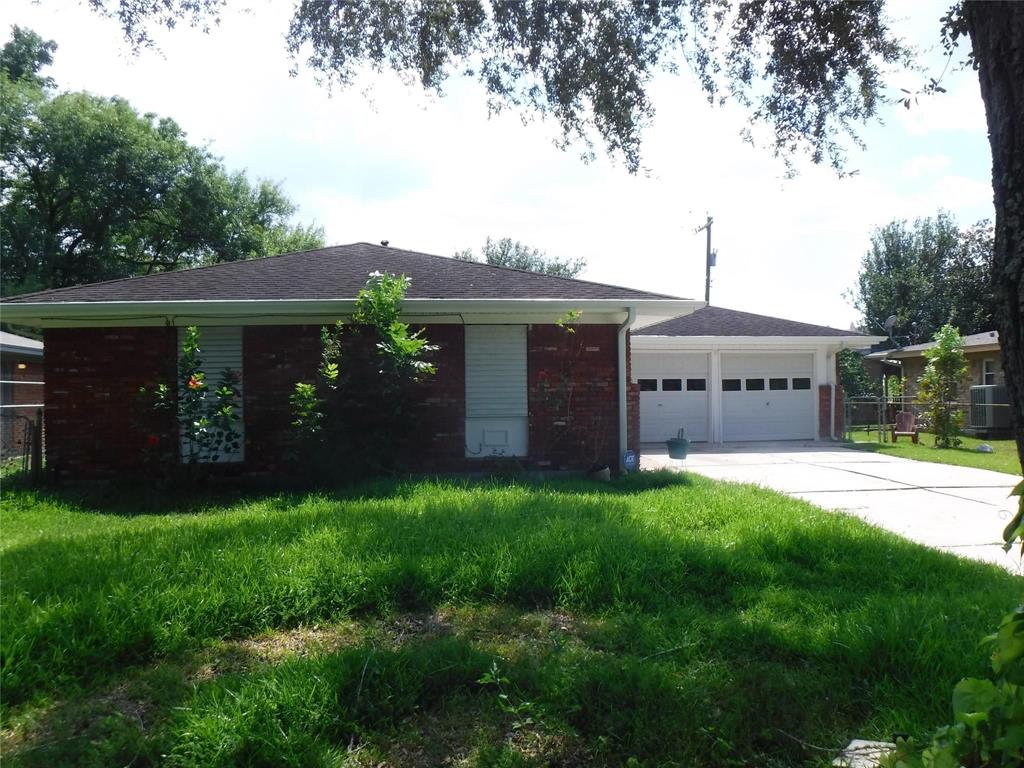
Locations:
(677, 447)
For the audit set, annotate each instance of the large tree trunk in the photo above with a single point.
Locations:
(997, 36)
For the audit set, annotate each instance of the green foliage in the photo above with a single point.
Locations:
(894, 388)
(24, 55)
(360, 417)
(207, 419)
(927, 274)
(853, 375)
(507, 252)
(988, 714)
(92, 190)
(939, 386)
(665, 617)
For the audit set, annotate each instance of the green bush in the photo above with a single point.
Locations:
(938, 387)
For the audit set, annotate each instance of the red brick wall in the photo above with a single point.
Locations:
(276, 357)
(96, 424)
(840, 411)
(98, 427)
(632, 404)
(577, 428)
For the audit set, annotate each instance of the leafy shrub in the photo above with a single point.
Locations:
(937, 388)
(988, 727)
(359, 414)
(206, 419)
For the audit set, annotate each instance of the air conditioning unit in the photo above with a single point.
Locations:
(990, 408)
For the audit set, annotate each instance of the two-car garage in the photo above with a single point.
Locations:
(725, 376)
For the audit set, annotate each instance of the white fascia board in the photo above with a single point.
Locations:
(290, 311)
(750, 343)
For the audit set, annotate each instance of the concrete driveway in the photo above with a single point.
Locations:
(956, 509)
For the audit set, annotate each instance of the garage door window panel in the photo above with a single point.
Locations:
(776, 385)
(696, 385)
(731, 385)
(801, 383)
(755, 385)
(648, 385)
(671, 385)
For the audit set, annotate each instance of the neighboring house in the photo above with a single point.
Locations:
(984, 360)
(984, 386)
(725, 375)
(21, 390)
(499, 348)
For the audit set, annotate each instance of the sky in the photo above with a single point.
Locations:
(382, 160)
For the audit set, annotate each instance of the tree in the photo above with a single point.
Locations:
(507, 252)
(92, 190)
(927, 274)
(808, 71)
(939, 386)
(853, 375)
(25, 54)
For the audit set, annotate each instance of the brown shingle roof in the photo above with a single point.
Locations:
(338, 273)
(717, 321)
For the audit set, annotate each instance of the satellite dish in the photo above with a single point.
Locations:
(889, 323)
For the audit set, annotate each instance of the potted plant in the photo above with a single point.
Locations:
(678, 445)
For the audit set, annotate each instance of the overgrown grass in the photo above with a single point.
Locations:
(666, 618)
(1002, 459)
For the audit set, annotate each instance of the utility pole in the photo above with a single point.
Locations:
(710, 258)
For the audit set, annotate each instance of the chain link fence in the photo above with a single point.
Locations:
(983, 419)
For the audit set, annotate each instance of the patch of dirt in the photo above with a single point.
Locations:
(236, 656)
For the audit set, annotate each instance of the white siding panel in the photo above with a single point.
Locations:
(220, 347)
(496, 390)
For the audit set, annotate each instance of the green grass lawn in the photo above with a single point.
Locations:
(664, 619)
(1002, 459)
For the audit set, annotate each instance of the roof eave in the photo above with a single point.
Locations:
(84, 313)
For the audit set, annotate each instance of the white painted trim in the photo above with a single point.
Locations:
(297, 312)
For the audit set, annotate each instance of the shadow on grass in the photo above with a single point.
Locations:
(721, 614)
(128, 499)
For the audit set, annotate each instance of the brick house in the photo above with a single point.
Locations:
(499, 346)
(984, 361)
(991, 413)
(21, 390)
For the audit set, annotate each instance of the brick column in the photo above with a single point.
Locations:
(824, 411)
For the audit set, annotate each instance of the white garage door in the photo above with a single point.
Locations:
(673, 394)
(767, 397)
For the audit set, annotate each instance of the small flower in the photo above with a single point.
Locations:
(194, 382)
(153, 440)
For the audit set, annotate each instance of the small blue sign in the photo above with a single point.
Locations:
(630, 461)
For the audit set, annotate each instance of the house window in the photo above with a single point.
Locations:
(671, 385)
(648, 385)
(778, 384)
(730, 385)
(988, 371)
(696, 385)
(801, 383)
(497, 399)
(755, 385)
